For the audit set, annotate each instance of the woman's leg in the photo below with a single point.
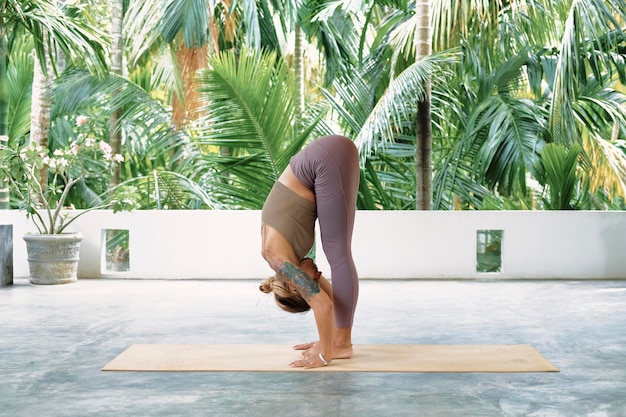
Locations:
(336, 187)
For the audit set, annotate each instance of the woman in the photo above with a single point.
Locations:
(321, 182)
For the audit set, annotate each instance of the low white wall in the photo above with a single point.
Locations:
(386, 244)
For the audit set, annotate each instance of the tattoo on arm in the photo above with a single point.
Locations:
(306, 286)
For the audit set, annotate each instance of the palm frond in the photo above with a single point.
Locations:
(351, 99)
(453, 180)
(600, 108)
(167, 190)
(81, 91)
(391, 176)
(398, 103)
(141, 37)
(189, 17)
(592, 35)
(56, 29)
(512, 131)
(559, 173)
(250, 104)
(335, 29)
(249, 132)
(19, 85)
(607, 166)
(251, 23)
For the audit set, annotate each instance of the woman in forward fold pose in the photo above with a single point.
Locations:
(321, 182)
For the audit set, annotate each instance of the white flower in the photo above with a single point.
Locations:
(81, 120)
(105, 147)
(118, 158)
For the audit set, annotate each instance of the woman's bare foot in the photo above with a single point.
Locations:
(342, 352)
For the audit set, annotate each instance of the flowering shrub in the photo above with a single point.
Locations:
(44, 200)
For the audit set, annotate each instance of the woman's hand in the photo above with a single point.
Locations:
(308, 361)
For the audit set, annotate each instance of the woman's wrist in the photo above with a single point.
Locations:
(323, 359)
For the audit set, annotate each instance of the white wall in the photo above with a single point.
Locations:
(536, 244)
(386, 244)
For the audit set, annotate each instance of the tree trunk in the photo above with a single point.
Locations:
(298, 68)
(117, 65)
(40, 109)
(4, 113)
(424, 156)
(424, 170)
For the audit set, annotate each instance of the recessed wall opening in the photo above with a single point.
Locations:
(116, 250)
(489, 250)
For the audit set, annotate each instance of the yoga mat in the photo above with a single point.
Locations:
(367, 358)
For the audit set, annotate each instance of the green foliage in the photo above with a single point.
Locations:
(558, 172)
(54, 30)
(249, 133)
(161, 190)
(498, 96)
(19, 88)
(45, 201)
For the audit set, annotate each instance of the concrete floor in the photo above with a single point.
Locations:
(55, 339)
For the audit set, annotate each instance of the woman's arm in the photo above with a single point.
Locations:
(279, 255)
(326, 286)
(324, 313)
(322, 306)
(312, 348)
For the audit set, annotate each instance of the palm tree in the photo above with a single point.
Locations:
(497, 95)
(53, 30)
(565, 91)
(386, 104)
(511, 115)
(184, 33)
(584, 106)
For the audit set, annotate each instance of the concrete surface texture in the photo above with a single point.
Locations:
(55, 339)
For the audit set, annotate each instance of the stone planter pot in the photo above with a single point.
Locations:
(53, 259)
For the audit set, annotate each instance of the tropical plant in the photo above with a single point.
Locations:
(498, 96)
(507, 96)
(564, 92)
(558, 174)
(53, 30)
(159, 158)
(249, 110)
(84, 158)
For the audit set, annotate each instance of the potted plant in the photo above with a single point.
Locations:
(42, 181)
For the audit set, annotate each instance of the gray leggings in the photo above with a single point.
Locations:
(329, 167)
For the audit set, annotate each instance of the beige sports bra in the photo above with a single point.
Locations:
(292, 216)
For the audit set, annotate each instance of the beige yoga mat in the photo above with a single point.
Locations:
(367, 358)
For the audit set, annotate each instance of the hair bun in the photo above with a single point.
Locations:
(267, 285)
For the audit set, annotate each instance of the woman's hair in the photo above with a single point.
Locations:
(286, 299)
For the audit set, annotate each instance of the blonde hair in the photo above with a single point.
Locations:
(286, 299)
